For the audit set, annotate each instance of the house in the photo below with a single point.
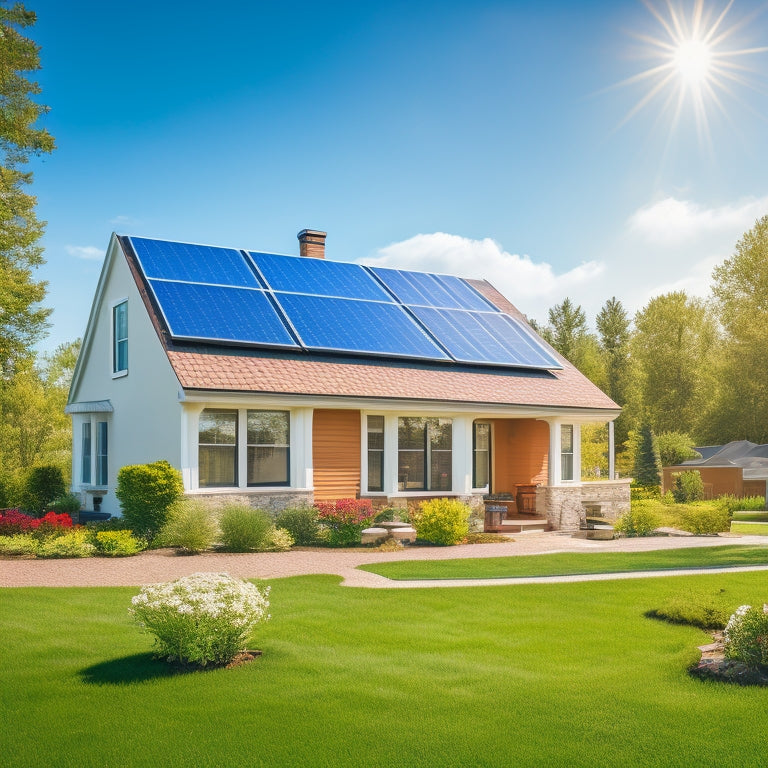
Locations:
(281, 379)
(739, 468)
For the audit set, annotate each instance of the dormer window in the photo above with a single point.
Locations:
(120, 339)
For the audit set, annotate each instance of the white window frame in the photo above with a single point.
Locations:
(117, 374)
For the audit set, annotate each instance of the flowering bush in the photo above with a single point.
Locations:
(441, 521)
(746, 636)
(345, 519)
(206, 618)
(13, 521)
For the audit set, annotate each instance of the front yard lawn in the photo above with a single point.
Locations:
(568, 563)
(543, 675)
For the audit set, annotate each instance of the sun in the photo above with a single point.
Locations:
(696, 61)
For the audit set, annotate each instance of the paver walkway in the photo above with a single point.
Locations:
(163, 565)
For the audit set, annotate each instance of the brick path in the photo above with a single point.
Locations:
(163, 565)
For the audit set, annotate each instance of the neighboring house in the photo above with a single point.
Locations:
(279, 379)
(739, 468)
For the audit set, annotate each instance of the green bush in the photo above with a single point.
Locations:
(640, 520)
(746, 636)
(117, 543)
(708, 611)
(688, 486)
(190, 527)
(441, 521)
(42, 486)
(644, 492)
(19, 544)
(751, 504)
(727, 502)
(345, 520)
(74, 543)
(280, 540)
(301, 522)
(244, 529)
(146, 492)
(69, 504)
(704, 518)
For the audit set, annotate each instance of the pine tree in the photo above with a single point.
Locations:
(647, 470)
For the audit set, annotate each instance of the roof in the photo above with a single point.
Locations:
(752, 458)
(214, 367)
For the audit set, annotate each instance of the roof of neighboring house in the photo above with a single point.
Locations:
(752, 458)
(233, 368)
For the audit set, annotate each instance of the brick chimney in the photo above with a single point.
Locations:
(312, 243)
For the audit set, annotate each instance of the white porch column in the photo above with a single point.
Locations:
(190, 427)
(611, 453)
(390, 455)
(461, 465)
(302, 474)
(554, 468)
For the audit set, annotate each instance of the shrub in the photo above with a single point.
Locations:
(12, 521)
(345, 520)
(190, 527)
(707, 611)
(206, 618)
(644, 492)
(19, 544)
(301, 522)
(688, 486)
(280, 540)
(51, 524)
(244, 529)
(117, 543)
(728, 503)
(145, 493)
(750, 504)
(42, 486)
(704, 518)
(746, 636)
(69, 504)
(647, 469)
(442, 521)
(74, 543)
(638, 521)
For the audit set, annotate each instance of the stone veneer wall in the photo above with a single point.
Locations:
(273, 501)
(564, 505)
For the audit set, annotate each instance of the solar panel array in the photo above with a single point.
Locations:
(212, 294)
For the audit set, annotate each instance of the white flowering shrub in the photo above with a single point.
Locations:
(746, 636)
(205, 618)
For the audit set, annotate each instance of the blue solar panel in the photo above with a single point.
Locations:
(193, 263)
(428, 290)
(368, 327)
(318, 277)
(216, 313)
(485, 337)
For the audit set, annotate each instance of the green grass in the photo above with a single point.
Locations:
(543, 675)
(571, 563)
(751, 529)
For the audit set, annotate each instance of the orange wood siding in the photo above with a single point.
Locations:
(520, 453)
(718, 481)
(336, 454)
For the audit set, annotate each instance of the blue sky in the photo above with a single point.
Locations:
(475, 138)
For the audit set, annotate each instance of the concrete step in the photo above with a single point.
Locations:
(521, 524)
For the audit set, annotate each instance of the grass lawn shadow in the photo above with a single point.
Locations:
(139, 668)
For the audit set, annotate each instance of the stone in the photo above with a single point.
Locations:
(373, 535)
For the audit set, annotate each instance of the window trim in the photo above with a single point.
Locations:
(85, 457)
(489, 452)
(235, 446)
(564, 455)
(427, 487)
(381, 452)
(117, 374)
(102, 453)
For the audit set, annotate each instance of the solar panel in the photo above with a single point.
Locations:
(193, 263)
(216, 313)
(318, 277)
(484, 337)
(428, 290)
(350, 325)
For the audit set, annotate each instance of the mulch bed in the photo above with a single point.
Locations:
(714, 666)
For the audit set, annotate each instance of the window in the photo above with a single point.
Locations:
(268, 447)
(85, 472)
(217, 448)
(101, 453)
(566, 452)
(120, 338)
(481, 454)
(375, 453)
(424, 454)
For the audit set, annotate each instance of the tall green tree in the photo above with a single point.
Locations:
(673, 344)
(739, 411)
(647, 470)
(22, 319)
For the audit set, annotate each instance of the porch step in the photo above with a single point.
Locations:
(521, 524)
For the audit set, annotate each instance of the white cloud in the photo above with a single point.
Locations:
(675, 222)
(526, 283)
(123, 221)
(88, 252)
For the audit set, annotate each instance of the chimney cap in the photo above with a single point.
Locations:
(312, 243)
(311, 233)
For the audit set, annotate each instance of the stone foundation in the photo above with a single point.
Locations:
(272, 501)
(565, 505)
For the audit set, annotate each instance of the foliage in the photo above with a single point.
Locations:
(190, 526)
(74, 543)
(699, 609)
(688, 486)
(43, 485)
(746, 636)
(13, 521)
(442, 521)
(280, 540)
(486, 538)
(644, 492)
(647, 470)
(675, 448)
(345, 519)
(594, 451)
(750, 503)
(206, 618)
(244, 529)
(301, 522)
(116, 543)
(19, 544)
(69, 503)
(637, 521)
(146, 493)
(704, 518)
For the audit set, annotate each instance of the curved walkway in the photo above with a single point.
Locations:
(163, 565)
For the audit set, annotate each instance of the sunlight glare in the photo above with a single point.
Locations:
(693, 61)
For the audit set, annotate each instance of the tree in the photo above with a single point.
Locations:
(740, 293)
(675, 448)
(647, 470)
(22, 320)
(674, 344)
